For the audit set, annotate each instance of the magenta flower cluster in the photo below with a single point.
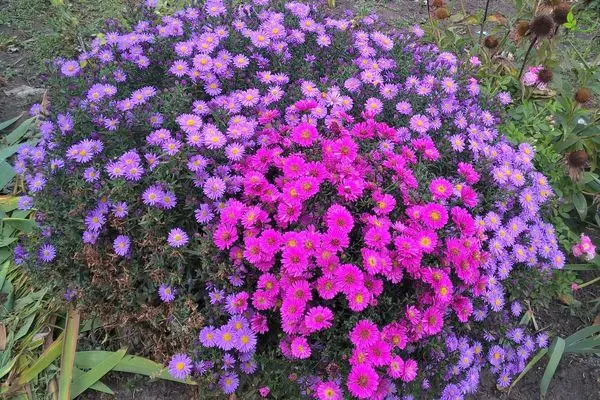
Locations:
(334, 177)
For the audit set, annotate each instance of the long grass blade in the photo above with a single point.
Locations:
(86, 380)
(131, 364)
(581, 334)
(68, 355)
(98, 386)
(47, 357)
(6, 124)
(556, 352)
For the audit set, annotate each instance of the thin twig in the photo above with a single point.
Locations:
(485, 13)
(527, 56)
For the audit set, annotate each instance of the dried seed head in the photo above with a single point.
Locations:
(560, 12)
(437, 3)
(522, 27)
(545, 75)
(542, 25)
(490, 42)
(442, 13)
(577, 159)
(583, 95)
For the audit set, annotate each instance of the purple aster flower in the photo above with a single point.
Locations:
(496, 355)
(229, 382)
(91, 174)
(120, 209)
(177, 237)
(166, 293)
(516, 309)
(152, 195)
(504, 380)
(180, 366)
(248, 367)
(24, 203)
(214, 188)
(245, 340)
(70, 68)
(47, 253)
(216, 296)
(121, 245)
(95, 220)
(228, 361)
(451, 392)
(542, 340)
(207, 336)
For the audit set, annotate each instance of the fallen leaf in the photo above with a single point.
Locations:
(597, 320)
(2, 337)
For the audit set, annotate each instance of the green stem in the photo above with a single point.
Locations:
(589, 283)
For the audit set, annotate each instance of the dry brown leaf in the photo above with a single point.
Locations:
(2, 337)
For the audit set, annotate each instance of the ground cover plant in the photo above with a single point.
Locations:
(345, 219)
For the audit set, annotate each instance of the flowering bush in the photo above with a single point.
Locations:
(320, 196)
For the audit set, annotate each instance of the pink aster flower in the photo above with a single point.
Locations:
(329, 391)
(364, 334)
(300, 348)
(362, 381)
(305, 134)
(318, 318)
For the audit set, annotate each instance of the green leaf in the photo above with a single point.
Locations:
(47, 357)
(98, 386)
(528, 367)
(25, 327)
(581, 334)
(19, 132)
(6, 368)
(6, 124)
(8, 151)
(9, 203)
(7, 173)
(3, 273)
(556, 352)
(86, 380)
(580, 205)
(131, 364)
(22, 224)
(68, 355)
(580, 267)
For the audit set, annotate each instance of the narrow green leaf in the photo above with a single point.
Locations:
(556, 352)
(25, 327)
(19, 131)
(131, 364)
(580, 204)
(95, 374)
(528, 367)
(5, 369)
(47, 357)
(7, 173)
(22, 224)
(7, 123)
(3, 273)
(98, 386)
(582, 334)
(68, 355)
(8, 151)
(8, 203)
(580, 267)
